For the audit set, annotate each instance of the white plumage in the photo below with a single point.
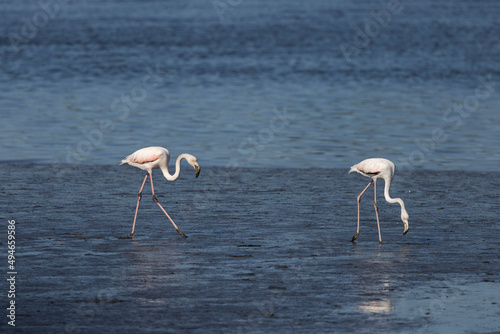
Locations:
(379, 168)
(153, 157)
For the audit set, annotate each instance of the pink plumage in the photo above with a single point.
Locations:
(153, 157)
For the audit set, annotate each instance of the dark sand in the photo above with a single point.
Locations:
(268, 251)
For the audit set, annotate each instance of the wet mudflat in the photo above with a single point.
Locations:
(268, 251)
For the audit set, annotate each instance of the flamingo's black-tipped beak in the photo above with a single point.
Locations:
(406, 229)
(197, 170)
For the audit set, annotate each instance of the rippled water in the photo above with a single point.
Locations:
(268, 85)
(77, 86)
(268, 251)
(260, 84)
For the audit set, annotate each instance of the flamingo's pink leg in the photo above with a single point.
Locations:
(138, 200)
(359, 199)
(376, 209)
(165, 212)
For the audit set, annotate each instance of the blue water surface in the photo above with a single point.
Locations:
(252, 82)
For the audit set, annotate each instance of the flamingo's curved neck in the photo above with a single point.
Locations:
(174, 177)
(388, 197)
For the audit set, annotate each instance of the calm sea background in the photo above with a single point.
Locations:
(77, 85)
(276, 99)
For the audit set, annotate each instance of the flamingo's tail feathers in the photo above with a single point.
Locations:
(353, 170)
(124, 161)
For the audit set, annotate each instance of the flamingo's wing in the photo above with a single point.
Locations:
(143, 158)
(145, 155)
(369, 167)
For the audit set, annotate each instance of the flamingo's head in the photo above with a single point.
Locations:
(191, 159)
(405, 218)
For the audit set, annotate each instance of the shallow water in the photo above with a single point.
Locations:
(268, 250)
(265, 86)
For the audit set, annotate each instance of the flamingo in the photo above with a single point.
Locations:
(378, 168)
(150, 158)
